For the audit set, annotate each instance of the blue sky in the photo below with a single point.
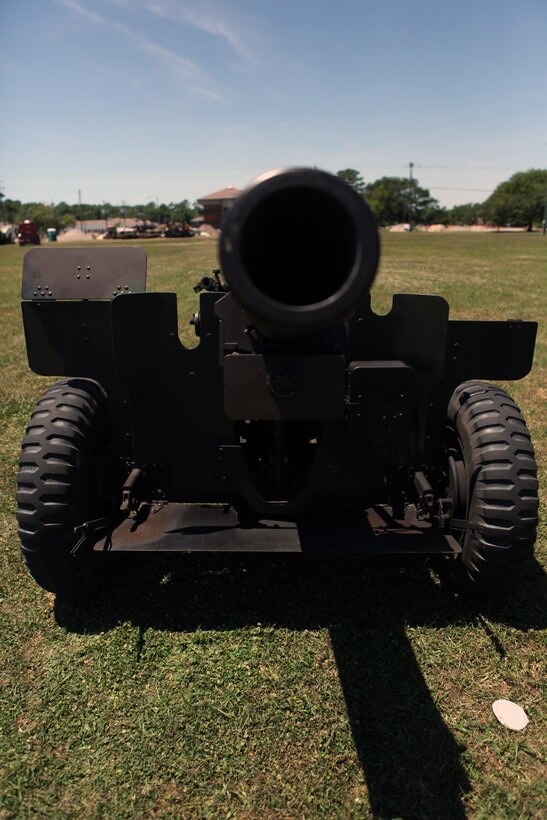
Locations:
(168, 99)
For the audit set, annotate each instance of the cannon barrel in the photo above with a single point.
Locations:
(298, 249)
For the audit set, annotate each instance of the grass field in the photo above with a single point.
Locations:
(288, 687)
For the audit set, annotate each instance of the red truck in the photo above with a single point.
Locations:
(27, 233)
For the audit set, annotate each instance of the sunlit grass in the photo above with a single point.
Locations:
(256, 686)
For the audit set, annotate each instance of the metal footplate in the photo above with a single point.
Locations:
(215, 528)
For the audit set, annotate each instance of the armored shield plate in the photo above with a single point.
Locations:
(83, 273)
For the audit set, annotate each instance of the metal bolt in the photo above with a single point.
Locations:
(360, 320)
(35, 293)
(209, 335)
(191, 373)
(119, 287)
(89, 267)
(79, 267)
(126, 287)
(87, 276)
(78, 276)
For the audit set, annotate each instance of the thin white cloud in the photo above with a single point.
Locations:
(82, 11)
(210, 16)
(56, 34)
(187, 71)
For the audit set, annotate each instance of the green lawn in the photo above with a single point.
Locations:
(292, 686)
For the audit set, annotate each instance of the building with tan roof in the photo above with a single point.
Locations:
(217, 204)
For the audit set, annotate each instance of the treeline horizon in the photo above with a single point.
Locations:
(64, 215)
(520, 201)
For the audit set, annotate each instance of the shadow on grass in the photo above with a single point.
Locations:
(410, 759)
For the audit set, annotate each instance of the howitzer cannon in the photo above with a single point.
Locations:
(302, 421)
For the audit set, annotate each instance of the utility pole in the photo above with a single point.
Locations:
(410, 196)
(545, 214)
(82, 223)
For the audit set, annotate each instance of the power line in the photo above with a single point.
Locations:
(470, 167)
(444, 167)
(478, 190)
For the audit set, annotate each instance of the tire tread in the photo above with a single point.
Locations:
(503, 508)
(60, 435)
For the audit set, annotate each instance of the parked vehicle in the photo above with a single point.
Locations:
(27, 233)
(124, 232)
(171, 231)
(8, 234)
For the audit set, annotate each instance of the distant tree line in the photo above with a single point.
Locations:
(519, 201)
(63, 215)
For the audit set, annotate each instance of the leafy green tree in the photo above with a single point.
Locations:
(12, 210)
(150, 211)
(519, 201)
(45, 216)
(353, 178)
(63, 208)
(40, 214)
(182, 211)
(434, 214)
(397, 199)
(90, 211)
(164, 214)
(466, 214)
(388, 199)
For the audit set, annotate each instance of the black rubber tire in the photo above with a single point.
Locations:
(60, 485)
(502, 502)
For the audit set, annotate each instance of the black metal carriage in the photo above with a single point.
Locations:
(302, 421)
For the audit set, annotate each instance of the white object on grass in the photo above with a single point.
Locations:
(510, 714)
